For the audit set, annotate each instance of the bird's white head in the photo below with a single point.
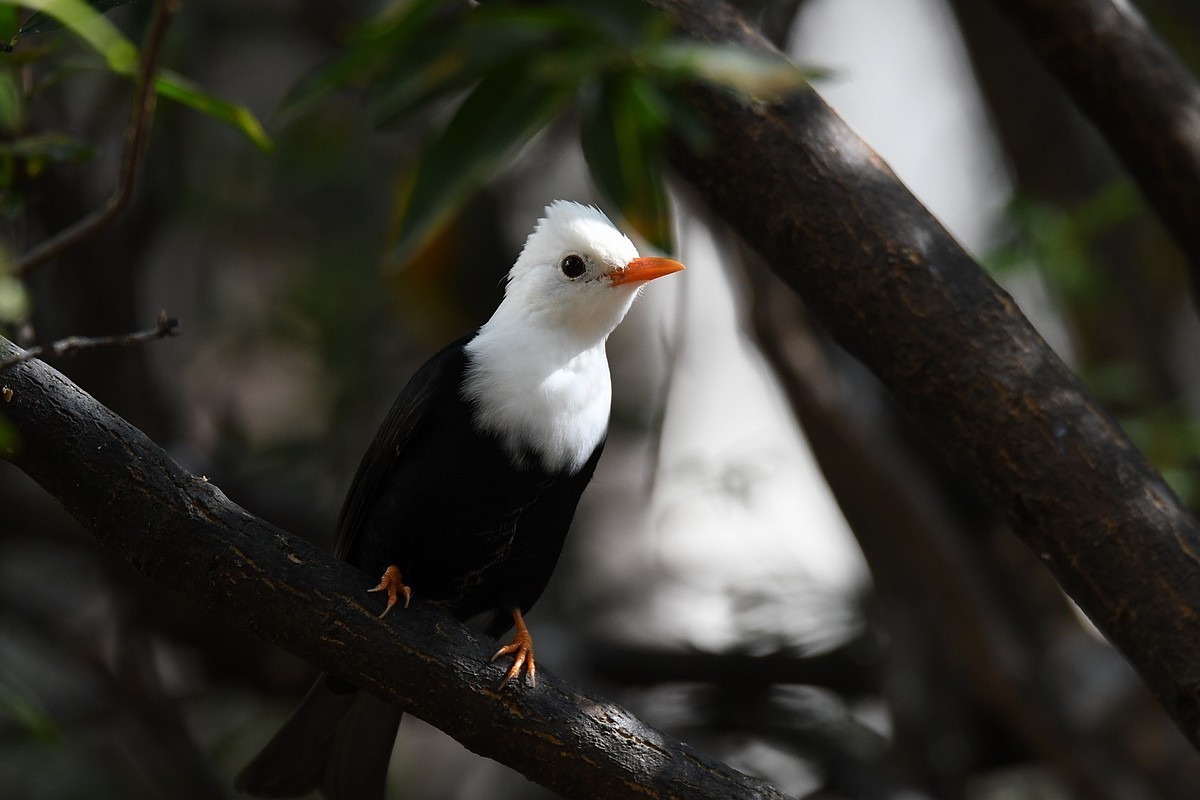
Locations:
(578, 274)
(537, 372)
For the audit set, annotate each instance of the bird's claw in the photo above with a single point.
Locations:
(395, 588)
(521, 649)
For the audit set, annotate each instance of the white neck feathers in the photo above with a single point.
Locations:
(541, 392)
(537, 373)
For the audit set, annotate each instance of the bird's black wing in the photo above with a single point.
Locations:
(434, 384)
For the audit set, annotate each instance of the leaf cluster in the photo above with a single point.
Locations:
(515, 68)
(28, 72)
(84, 19)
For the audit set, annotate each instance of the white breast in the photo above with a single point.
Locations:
(551, 399)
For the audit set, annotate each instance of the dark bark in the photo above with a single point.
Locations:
(180, 530)
(1055, 155)
(983, 648)
(895, 289)
(1139, 95)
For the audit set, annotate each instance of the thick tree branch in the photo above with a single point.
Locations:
(895, 289)
(1139, 95)
(913, 545)
(180, 530)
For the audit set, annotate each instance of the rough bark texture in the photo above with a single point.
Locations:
(895, 289)
(1136, 92)
(180, 530)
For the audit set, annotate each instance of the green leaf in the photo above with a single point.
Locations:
(12, 102)
(622, 131)
(8, 22)
(8, 444)
(493, 123)
(622, 24)
(15, 704)
(14, 300)
(1184, 483)
(374, 45)
(1061, 241)
(181, 90)
(447, 61)
(685, 122)
(121, 57)
(42, 22)
(100, 34)
(51, 147)
(414, 57)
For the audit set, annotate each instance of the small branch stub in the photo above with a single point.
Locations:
(164, 326)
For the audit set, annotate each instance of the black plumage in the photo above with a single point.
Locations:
(467, 528)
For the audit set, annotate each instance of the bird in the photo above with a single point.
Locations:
(465, 494)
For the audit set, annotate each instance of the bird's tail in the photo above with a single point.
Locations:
(339, 740)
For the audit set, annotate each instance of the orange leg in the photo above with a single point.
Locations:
(521, 649)
(395, 588)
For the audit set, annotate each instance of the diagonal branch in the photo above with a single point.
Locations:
(180, 530)
(913, 545)
(1137, 93)
(895, 289)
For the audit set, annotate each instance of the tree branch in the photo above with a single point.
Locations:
(181, 531)
(913, 545)
(895, 289)
(163, 326)
(1136, 92)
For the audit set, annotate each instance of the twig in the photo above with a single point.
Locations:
(163, 326)
(136, 133)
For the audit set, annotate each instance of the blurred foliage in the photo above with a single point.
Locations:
(1060, 242)
(1170, 437)
(520, 67)
(181, 90)
(24, 710)
(43, 22)
(86, 21)
(37, 71)
(14, 300)
(44, 149)
(24, 154)
(8, 436)
(1065, 244)
(14, 307)
(1176, 21)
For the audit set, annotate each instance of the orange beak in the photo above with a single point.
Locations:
(645, 269)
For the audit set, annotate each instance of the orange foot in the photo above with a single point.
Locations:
(521, 649)
(391, 583)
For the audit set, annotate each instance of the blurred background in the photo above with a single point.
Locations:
(771, 564)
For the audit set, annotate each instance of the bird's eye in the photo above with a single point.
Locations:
(573, 266)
